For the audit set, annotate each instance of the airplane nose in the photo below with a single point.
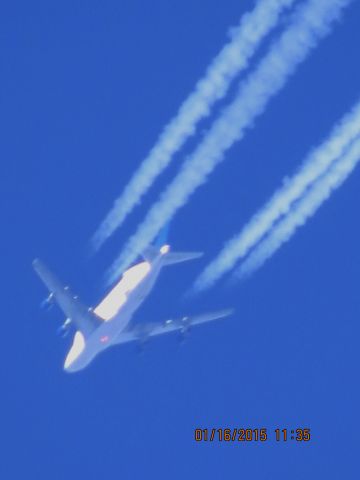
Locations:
(71, 369)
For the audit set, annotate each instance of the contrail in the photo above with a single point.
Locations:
(313, 167)
(231, 60)
(305, 209)
(312, 21)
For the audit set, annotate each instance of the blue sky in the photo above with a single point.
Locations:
(85, 90)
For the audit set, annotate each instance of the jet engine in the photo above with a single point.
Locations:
(48, 303)
(64, 330)
(185, 325)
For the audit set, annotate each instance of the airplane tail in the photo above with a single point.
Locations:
(170, 258)
(161, 247)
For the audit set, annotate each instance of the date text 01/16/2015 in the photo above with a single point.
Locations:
(251, 434)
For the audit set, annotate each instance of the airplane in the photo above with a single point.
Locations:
(109, 323)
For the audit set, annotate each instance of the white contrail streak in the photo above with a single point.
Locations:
(314, 166)
(231, 60)
(311, 22)
(302, 211)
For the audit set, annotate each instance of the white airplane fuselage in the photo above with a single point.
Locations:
(108, 323)
(84, 351)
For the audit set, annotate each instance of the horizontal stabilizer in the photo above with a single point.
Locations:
(179, 257)
(152, 252)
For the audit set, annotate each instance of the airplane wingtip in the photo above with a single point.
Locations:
(35, 262)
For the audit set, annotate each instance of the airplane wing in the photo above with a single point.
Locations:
(142, 332)
(80, 315)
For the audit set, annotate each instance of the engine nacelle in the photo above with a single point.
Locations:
(185, 327)
(48, 303)
(64, 330)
